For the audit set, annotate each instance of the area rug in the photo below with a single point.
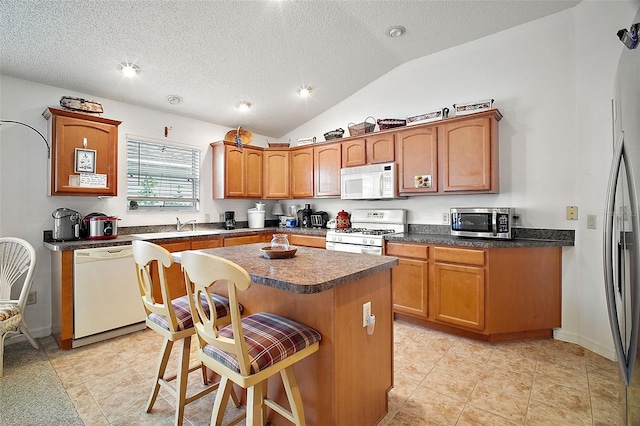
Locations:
(31, 392)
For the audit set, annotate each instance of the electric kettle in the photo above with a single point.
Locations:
(66, 224)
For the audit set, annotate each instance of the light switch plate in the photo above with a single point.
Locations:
(591, 221)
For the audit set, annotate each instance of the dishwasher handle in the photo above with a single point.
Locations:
(103, 253)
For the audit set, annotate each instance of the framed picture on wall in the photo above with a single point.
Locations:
(85, 160)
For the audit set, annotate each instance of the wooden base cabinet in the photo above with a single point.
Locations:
(410, 279)
(491, 294)
(458, 287)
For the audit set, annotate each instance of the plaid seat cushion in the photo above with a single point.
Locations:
(270, 338)
(9, 317)
(183, 311)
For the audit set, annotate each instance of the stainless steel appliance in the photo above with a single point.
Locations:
(483, 222)
(304, 216)
(374, 182)
(99, 226)
(66, 224)
(368, 228)
(106, 299)
(622, 227)
(319, 219)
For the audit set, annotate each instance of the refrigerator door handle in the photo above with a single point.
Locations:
(609, 215)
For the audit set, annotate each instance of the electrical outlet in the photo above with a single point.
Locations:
(445, 218)
(207, 218)
(366, 311)
(31, 298)
(572, 212)
(220, 217)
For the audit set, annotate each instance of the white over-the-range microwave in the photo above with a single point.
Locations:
(373, 182)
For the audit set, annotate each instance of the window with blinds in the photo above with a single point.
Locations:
(161, 176)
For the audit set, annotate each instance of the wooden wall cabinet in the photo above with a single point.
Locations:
(237, 172)
(276, 174)
(68, 131)
(354, 153)
(327, 161)
(417, 155)
(410, 279)
(469, 154)
(372, 149)
(302, 173)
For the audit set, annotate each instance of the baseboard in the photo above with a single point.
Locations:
(593, 346)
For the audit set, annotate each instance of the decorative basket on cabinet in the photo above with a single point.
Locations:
(362, 128)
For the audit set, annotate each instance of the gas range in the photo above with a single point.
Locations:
(367, 232)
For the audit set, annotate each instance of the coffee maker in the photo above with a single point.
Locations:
(229, 221)
(304, 216)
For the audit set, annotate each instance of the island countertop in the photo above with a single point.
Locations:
(310, 271)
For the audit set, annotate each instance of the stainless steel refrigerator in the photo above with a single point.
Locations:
(622, 227)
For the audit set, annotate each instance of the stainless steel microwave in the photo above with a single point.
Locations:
(483, 222)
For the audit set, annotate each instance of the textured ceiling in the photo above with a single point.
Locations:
(216, 53)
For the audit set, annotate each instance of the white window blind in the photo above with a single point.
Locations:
(161, 176)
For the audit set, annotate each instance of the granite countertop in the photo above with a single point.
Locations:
(427, 234)
(310, 271)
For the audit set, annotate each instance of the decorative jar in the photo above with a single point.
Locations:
(279, 242)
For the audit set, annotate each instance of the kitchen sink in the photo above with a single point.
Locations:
(175, 234)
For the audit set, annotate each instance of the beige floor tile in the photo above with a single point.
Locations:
(477, 351)
(540, 414)
(80, 396)
(402, 418)
(92, 415)
(472, 416)
(107, 384)
(454, 385)
(68, 376)
(561, 374)
(509, 403)
(456, 364)
(562, 397)
(513, 360)
(162, 414)
(124, 402)
(496, 377)
(433, 406)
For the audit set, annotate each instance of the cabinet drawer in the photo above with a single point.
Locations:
(206, 243)
(458, 255)
(418, 251)
(307, 241)
(236, 241)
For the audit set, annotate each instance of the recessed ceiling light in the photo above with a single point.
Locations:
(396, 31)
(243, 106)
(174, 99)
(129, 70)
(305, 91)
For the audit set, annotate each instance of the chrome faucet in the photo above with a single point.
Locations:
(179, 225)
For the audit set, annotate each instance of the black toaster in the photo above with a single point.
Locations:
(319, 219)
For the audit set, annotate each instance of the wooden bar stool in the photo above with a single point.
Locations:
(174, 323)
(249, 350)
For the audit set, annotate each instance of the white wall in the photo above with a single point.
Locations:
(552, 79)
(25, 209)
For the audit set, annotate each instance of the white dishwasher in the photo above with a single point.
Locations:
(106, 298)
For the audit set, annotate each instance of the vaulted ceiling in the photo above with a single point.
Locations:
(213, 54)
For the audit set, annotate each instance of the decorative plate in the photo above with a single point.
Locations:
(278, 254)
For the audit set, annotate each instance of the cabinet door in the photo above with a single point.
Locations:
(235, 171)
(97, 136)
(327, 161)
(409, 284)
(458, 293)
(353, 153)
(276, 175)
(466, 155)
(302, 173)
(253, 173)
(202, 244)
(417, 154)
(380, 148)
(174, 276)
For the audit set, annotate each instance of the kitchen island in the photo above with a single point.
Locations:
(347, 380)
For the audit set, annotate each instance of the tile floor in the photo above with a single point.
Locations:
(440, 379)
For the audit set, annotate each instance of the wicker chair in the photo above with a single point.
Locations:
(17, 264)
